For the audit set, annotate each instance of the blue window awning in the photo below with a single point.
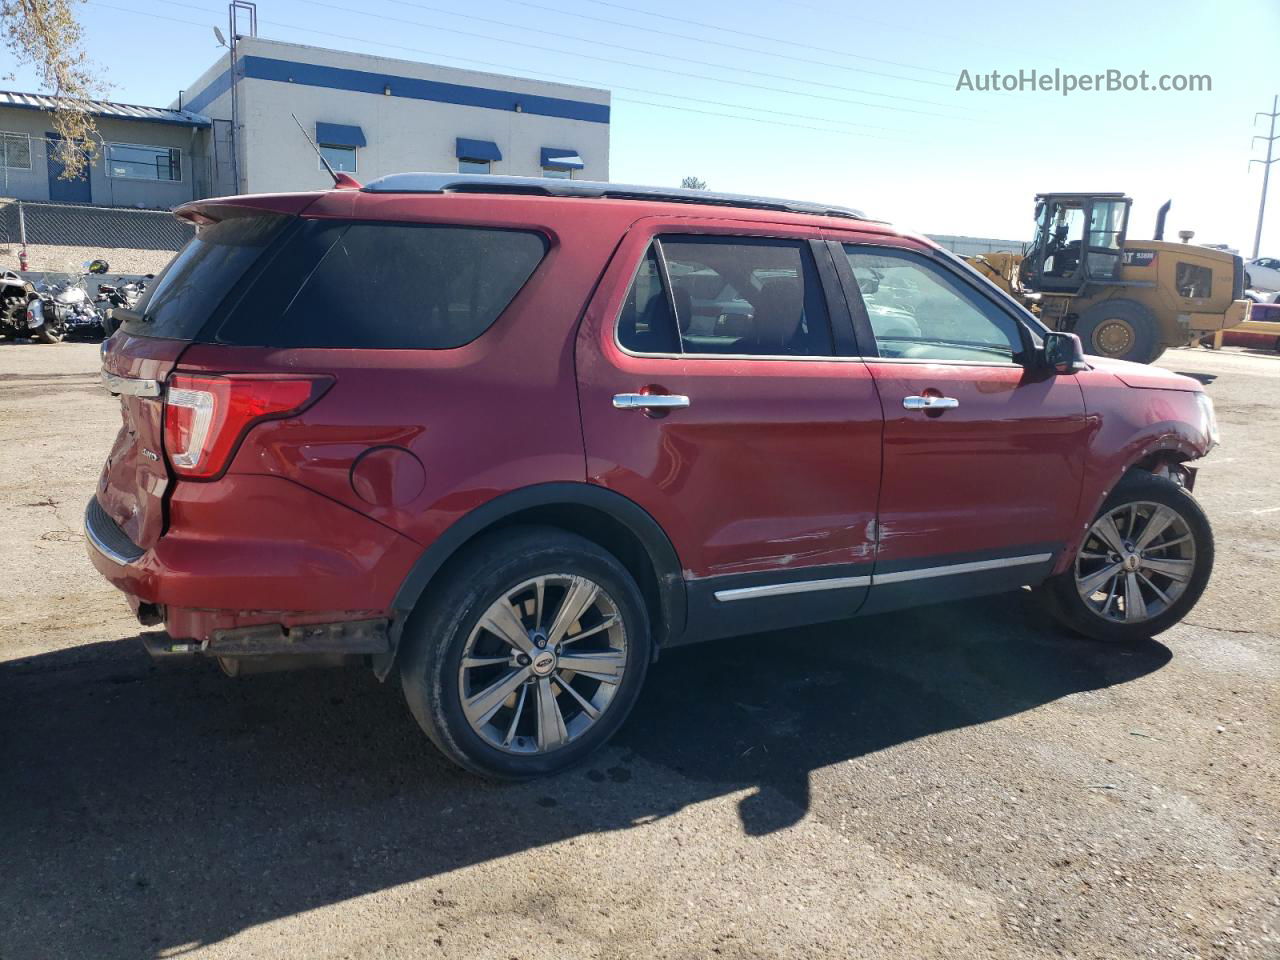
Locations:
(561, 158)
(339, 135)
(478, 150)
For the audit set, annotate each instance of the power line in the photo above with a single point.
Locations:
(735, 46)
(827, 11)
(648, 53)
(661, 106)
(721, 28)
(613, 61)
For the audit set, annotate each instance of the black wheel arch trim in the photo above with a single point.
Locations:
(662, 554)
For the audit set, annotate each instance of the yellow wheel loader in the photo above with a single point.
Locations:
(1124, 298)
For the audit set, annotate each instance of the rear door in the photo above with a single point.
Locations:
(983, 452)
(141, 355)
(721, 391)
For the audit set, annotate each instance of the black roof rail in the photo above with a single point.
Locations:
(546, 187)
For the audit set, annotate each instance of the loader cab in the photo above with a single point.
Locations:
(1079, 240)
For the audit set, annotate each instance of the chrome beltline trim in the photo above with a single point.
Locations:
(839, 583)
(954, 568)
(781, 589)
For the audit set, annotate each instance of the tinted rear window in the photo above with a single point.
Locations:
(365, 285)
(184, 296)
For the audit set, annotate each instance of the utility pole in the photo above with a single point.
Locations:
(1266, 167)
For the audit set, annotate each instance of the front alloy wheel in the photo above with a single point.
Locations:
(1143, 564)
(1137, 560)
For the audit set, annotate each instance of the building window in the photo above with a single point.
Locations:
(560, 162)
(130, 161)
(341, 159)
(472, 166)
(15, 151)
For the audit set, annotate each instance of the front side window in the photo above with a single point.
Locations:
(131, 161)
(341, 159)
(918, 312)
(15, 151)
(727, 296)
(472, 166)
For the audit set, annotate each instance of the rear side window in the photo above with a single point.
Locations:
(727, 295)
(184, 296)
(389, 286)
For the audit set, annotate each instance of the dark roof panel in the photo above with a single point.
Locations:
(105, 108)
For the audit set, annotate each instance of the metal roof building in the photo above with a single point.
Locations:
(106, 108)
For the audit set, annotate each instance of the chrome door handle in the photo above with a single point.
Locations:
(649, 401)
(930, 403)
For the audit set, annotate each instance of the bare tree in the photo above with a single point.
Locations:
(693, 183)
(44, 34)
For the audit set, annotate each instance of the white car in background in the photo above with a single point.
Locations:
(1262, 273)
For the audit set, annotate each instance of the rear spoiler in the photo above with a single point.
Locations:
(204, 212)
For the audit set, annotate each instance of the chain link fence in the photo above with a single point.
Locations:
(70, 225)
(62, 237)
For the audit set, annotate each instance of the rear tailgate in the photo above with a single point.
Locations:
(135, 477)
(233, 236)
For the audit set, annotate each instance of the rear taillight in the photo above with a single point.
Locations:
(206, 417)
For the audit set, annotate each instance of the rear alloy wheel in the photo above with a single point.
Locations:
(1142, 566)
(1120, 330)
(528, 655)
(543, 664)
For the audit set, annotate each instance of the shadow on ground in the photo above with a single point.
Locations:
(197, 806)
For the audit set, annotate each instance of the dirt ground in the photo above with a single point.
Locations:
(957, 781)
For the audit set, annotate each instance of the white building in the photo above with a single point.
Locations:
(373, 116)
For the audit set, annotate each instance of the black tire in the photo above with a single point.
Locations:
(109, 324)
(1120, 330)
(437, 633)
(1248, 281)
(1064, 603)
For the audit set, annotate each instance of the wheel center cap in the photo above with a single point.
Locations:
(543, 663)
(1131, 562)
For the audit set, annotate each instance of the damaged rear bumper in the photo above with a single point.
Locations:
(187, 582)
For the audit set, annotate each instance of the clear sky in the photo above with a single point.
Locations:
(846, 102)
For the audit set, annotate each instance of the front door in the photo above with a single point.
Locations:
(721, 392)
(62, 190)
(983, 452)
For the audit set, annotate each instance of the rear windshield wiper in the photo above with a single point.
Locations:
(125, 315)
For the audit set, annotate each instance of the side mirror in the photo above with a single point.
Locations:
(99, 266)
(1063, 352)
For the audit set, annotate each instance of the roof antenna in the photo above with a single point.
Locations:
(341, 181)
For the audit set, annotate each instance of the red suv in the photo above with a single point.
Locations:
(510, 438)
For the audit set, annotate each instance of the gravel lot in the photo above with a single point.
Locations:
(956, 781)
